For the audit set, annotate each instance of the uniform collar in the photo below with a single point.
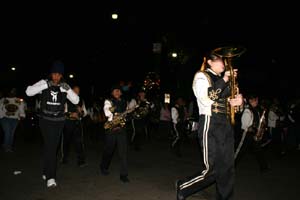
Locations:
(213, 72)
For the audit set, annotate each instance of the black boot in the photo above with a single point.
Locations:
(124, 179)
(103, 171)
(81, 163)
(178, 195)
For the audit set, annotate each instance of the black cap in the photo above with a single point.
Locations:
(252, 96)
(57, 67)
(115, 86)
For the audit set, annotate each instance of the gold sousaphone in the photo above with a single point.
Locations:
(227, 53)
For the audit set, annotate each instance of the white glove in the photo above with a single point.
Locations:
(65, 86)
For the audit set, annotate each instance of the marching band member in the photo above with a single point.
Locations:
(139, 119)
(215, 133)
(73, 129)
(250, 122)
(53, 96)
(115, 137)
(178, 115)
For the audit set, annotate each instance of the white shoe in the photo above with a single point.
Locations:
(51, 183)
(44, 177)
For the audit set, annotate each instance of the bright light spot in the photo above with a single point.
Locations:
(13, 68)
(114, 16)
(174, 55)
(71, 76)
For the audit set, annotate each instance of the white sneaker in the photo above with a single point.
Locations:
(44, 177)
(51, 183)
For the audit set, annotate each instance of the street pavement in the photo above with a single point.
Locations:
(152, 173)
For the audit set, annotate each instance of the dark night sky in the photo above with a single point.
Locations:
(86, 39)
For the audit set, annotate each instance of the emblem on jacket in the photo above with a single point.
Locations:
(54, 99)
(54, 96)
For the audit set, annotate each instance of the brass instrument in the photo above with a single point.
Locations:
(119, 120)
(261, 127)
(227, 53)
(142, 111)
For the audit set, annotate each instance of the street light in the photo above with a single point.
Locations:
(13, 68)
(114, 16)
(174, 55)
(71, 76)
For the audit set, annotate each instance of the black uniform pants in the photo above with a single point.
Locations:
(51, 132)
(73, 133)
(217, 141)
(250, 145)
(139, 130)
(115, 139)
(179, 136)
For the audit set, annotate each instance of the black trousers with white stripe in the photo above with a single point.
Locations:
(73, 133)
(216, 136)
(115, 139)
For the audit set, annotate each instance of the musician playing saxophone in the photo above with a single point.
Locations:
(250, 123)
(212, 89)
(115, 137)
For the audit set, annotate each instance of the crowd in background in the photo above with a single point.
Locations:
(282, 118)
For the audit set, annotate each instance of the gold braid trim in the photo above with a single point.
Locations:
(213, 95)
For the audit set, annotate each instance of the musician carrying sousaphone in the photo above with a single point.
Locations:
(213, 86)
(139, 119)
(115, 133)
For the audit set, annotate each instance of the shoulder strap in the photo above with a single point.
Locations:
(208, 77)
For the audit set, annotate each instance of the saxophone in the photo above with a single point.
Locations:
(119, 120)
(261, 127)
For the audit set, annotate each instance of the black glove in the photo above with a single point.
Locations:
(50, 83)
(65, 86)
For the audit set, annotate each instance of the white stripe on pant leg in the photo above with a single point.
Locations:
(133, 132)
(205, 156)
(177, 135)
(175, 141)
(240, 144)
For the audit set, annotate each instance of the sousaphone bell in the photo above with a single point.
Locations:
(227, 53)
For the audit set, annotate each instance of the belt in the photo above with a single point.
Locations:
(72, 118)
(51, 113)
(68, 116)
(218, 107)
(53, 118)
